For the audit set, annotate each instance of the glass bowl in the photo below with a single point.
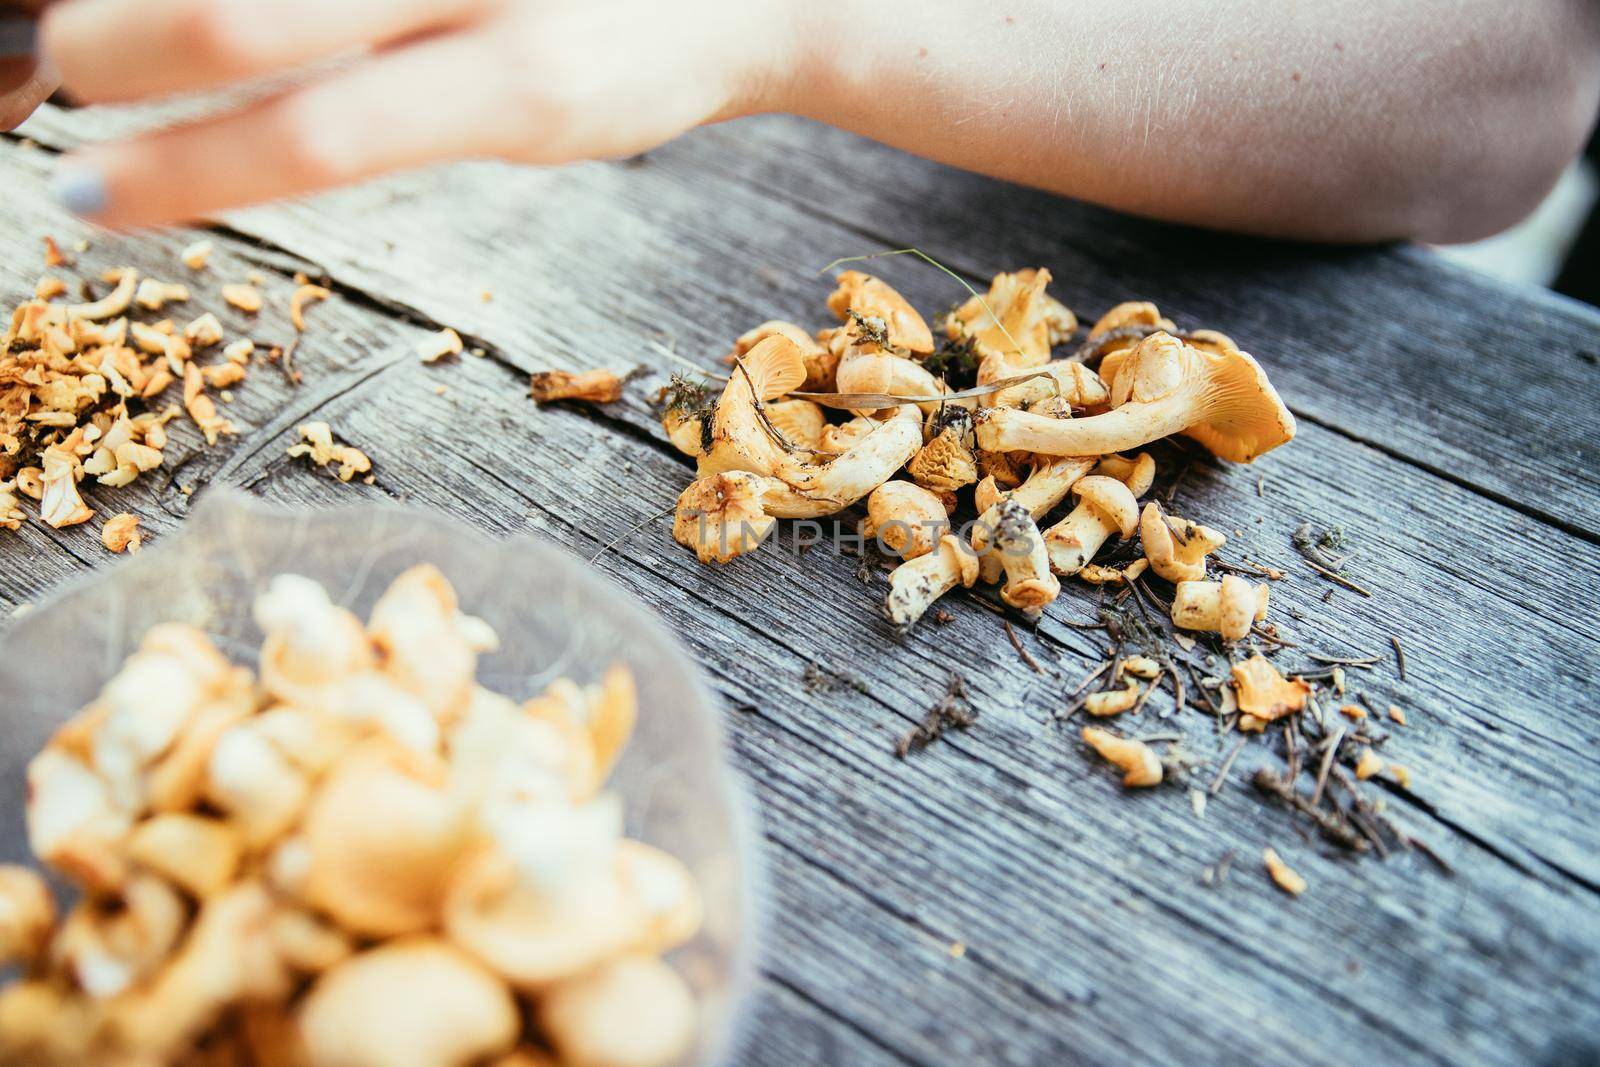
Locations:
(556, 617)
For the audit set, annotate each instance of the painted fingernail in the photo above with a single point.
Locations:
(81, 190)
(19, 36)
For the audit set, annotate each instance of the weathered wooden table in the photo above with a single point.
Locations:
(1448, 424)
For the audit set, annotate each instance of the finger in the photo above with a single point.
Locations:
(401, 109)
(120, 50)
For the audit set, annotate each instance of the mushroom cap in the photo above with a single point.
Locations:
(1138, 473)
(633, 1012)
(415, 1003)
(1240, 415)
(945, 463)
(533, 939)
(27, 915)
(1246, 417)
(382, 842)
(866, 295)
(807, 344)
(721, 516)
(1111, 500)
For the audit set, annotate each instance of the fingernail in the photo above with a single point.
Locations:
(81, 190)
(19, 36)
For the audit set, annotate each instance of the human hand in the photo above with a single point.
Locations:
(24, 83)
(533, 81)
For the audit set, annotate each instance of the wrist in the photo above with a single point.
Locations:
(780, 57)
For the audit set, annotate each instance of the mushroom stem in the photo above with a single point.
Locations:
(917, 583)
(1105, 506)
(1120, 429)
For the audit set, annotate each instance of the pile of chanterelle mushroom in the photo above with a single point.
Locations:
(1037, 433)
(357, 858)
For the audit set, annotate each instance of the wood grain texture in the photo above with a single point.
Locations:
(1089, 935)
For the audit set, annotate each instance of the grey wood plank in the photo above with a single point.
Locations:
(1089, 935)
(1490, 386)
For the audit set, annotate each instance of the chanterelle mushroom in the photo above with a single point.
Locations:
(1045, 487)
(419, 1003)
(1176, 548)
(723, 515)
(1021, 548)
(869, 296)
(27, 916)
(740, 439)
(916, 584)
(1221, 399)
(382, 877)
(1105, 506)
(1228, 607)
(1024, 325)
(905, 519)
(633, 1012)
(1264, 693)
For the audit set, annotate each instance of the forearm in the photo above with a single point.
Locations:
(1438, 119)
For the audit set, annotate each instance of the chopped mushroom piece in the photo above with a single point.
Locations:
(121, 533)
(1228, 607)
(592, 386)
(1112, 702)
(204, 332)
(247, 298)
(1282, 874)
(153, 295)
(300, 299)
(318, 444)
(61, 506)
(436, 346)
(195, 256)
(1264, 694)
(1138, 760)
(1223, 400)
